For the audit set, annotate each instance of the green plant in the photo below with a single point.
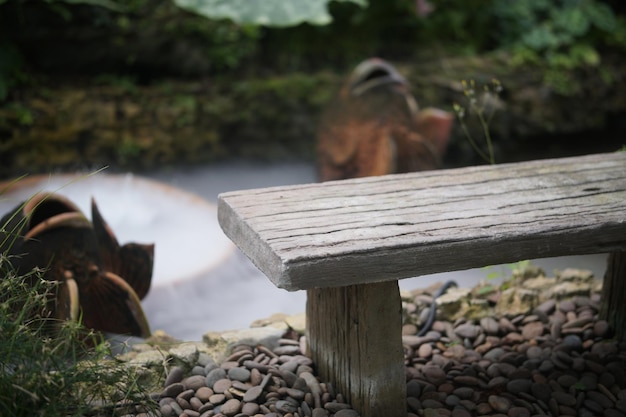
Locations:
(50, 367)
(505, 272)
(546, 26)
(22, 114)
(278, 13)
(482, 106)
(560, 35)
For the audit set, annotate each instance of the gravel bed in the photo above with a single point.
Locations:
(557, 360)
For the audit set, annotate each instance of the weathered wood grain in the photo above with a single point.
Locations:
(613, 308)
(399, 226)
(354, 335)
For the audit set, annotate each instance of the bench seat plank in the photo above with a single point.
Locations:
(399, 226)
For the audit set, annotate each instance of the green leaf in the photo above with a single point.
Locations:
(571, 20)
(493, 275)
(541, 37)
(585, 53)
(280, 13)
(600, 15)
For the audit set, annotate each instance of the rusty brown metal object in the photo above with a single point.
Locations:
(374, 127)
(99, 281)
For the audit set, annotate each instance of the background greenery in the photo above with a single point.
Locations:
(143, 83)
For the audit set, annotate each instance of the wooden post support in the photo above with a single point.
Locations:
(613, 308)
(354, 335)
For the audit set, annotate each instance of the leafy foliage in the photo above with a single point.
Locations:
(279, 13)
(240, 37)
(48, 367)
(562, 33)
(543, 25)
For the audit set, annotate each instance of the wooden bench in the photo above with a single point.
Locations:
(348, 242)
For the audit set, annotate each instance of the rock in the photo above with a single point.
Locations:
(467, 330)
(250, 408)
(527, 271)
(425, 350)
(572, 341)
(173, 390)
(564, 398)
(194, 382)
(533, 330)
(185, 354)
(547, 307)
(434, 374)
(320, 412)
(409, 329)
(347, 413)
(203, 393)
(333, 407)
(413, 389)
(508, 365)
(297, 322)
(222, 385)
(489, 325)
(499, 403)
(152, 358)
(231, 407)
(539, 283)
(569, 289)
(451, 303)
(214, 376)
(276, 320)
(516, 386)
(514, 301)
(266, 336)
(575, 275)
(518, 412)
(175, 375)
(253, 394)
(239, 374)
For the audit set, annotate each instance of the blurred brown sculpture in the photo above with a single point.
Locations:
(374, 127)
(99, 281)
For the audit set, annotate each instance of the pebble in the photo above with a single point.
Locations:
(214, 376)
(489, 325)
(194, 382)
(519, 385)
(347, 413)
(239, 374)
(425, 350)
(553, 361)
(532, 330)
(467, 330)
(231, 407)
(222, 385)
(176, 374)
(499, 403)
(173, 390)
(564, 398)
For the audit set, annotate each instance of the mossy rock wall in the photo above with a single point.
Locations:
(169, 123)
(70, 125)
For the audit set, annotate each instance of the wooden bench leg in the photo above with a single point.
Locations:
(355, 339)
(614, 293)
